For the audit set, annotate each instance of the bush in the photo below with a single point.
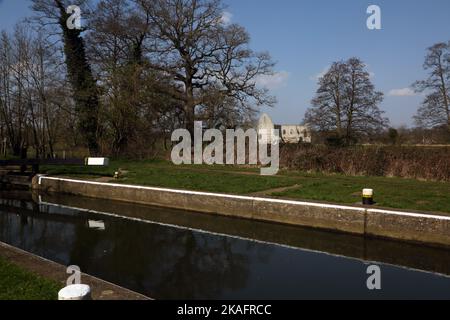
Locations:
(427, 163)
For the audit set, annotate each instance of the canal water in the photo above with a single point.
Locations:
(172, 254)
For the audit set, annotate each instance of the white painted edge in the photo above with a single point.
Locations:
(409, 214)
(228, 196)
(218, 195)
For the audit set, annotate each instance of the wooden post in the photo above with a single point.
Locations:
(4, 147)
(23, 156)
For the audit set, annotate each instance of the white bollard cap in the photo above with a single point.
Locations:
(368, 192)
(75, 292)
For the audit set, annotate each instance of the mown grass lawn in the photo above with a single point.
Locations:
(164, 174)
(389, 192)
(19, 284)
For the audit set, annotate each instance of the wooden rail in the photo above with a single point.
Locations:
(23, 164)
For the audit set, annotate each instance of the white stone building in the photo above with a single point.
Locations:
(265, 129)
(288, 133)
(295, 134)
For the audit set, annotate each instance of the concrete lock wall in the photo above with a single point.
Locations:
(406, 226)
(409, 226)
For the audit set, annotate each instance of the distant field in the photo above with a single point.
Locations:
(390, 192)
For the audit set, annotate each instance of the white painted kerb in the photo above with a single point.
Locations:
(373, 223)
(218, 195)
(228, 196)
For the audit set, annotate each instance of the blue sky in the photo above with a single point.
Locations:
(306, 36)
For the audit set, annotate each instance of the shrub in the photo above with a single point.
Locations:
(427, 163)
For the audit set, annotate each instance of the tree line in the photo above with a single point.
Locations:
(139, 69)
(345, 109)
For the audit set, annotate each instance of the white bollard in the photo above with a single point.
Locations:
(368, 197)
(75, 292)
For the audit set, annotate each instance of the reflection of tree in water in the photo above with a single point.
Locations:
(162, 262)
(159, 261)
(24, 225)
(204, 269)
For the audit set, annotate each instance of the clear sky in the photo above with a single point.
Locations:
(306, 36)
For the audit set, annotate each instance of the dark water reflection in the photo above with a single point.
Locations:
(168, 262)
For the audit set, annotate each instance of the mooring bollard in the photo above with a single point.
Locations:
(75, 292)
(368, 197)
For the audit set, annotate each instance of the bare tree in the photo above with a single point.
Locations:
(49, 103)
(189, 42)
(30, 91)
(435, 109)
(12, 102)
(328, 105)
(347, 103)
(222, 113)
(133, 108)
(141, 68)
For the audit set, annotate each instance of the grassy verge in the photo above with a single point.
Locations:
(390, 192)
(19, 284)
(164, 174)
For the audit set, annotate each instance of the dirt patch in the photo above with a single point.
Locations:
(104, 179)
(268, 193)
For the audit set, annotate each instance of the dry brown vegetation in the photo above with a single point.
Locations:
(428, 163)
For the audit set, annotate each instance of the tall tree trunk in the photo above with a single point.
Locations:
(444, 90)
(82, 80)
(338, 109)
(190, 110)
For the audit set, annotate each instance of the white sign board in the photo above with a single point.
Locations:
(97, 162)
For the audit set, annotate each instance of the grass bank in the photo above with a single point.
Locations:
(19, 284)
(390, 192)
